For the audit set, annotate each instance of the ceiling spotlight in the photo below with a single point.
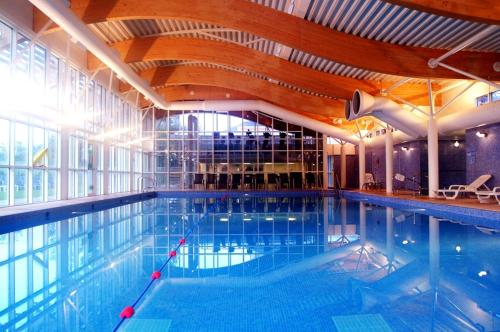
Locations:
(481, 134)
(404, 148)
(228, 95)
(191, 93)
(456, 144)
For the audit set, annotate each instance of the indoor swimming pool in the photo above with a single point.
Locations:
(251, 262)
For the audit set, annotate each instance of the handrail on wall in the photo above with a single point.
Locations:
(140, 183)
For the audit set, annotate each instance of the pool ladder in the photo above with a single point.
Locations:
(141, 180)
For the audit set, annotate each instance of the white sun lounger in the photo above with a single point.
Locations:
(484, 196)
(453, 191)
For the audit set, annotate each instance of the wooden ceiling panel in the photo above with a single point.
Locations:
(284, 97)
(291, 31)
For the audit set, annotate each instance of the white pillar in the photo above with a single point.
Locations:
(362, 163)
(105, 165)
(131, 168)
(325, 162)
(343, 166)
(432, 149)
(389, 155)
(64, 163)
(433, 156)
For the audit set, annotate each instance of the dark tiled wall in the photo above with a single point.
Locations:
(412, 163)
(483, 154)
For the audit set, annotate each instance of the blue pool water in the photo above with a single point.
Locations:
(252, 264)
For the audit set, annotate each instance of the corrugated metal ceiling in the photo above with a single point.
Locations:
(372, 19)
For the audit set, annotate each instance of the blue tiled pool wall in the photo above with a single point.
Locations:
(412, 163)
(9, 223)
(483, 153)
(455, 213)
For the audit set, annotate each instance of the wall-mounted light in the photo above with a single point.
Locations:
(481, 134)
(405, 148)
(456, 144)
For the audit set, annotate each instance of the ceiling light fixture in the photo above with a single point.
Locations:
(456, 144)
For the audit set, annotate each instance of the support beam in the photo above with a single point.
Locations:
(389, 160)
(287, 30)
(233, 55)
(201, 92)
(484, 11)
(274, 93)
(325, 162)
(432, 150)
(343, 166)
(64, 185)
(362, 162)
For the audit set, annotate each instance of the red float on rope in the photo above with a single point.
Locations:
(156, 275)
(173, 253)
(182, 241)
(127, 312)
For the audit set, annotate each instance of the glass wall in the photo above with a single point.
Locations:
(237, 149)
(45, 101)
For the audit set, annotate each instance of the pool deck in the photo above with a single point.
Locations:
(471, 203)
(466, 210)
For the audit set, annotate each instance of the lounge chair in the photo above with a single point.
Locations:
(370, 182)
(484, 196)
(453, 191)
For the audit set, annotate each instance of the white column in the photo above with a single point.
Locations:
(432, 149)
(362, 163)
(325, 162)
(389, 155)
(95, 161)
(343, 166)
(131, 168)
(105, 165)
(64, 163)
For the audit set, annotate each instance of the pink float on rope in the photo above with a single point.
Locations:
(173, 253)
(127, 312)
(156, 275)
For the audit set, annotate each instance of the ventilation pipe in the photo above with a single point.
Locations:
(386, 110)
(473, 117)
(69, 22)
(273, 110)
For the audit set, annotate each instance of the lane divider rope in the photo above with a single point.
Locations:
(129, 310)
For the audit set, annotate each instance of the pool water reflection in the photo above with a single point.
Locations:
(255, 264)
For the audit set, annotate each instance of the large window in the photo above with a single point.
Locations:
(229, 150)
(44, 100)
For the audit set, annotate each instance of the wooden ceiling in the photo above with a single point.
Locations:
(233, 71)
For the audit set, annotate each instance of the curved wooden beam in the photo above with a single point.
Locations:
(484, 11)
(287, 98)
(291, 31)
(223, 53)
(201, 92)
(193, 49)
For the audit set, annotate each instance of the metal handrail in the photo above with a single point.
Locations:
(140, 183)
